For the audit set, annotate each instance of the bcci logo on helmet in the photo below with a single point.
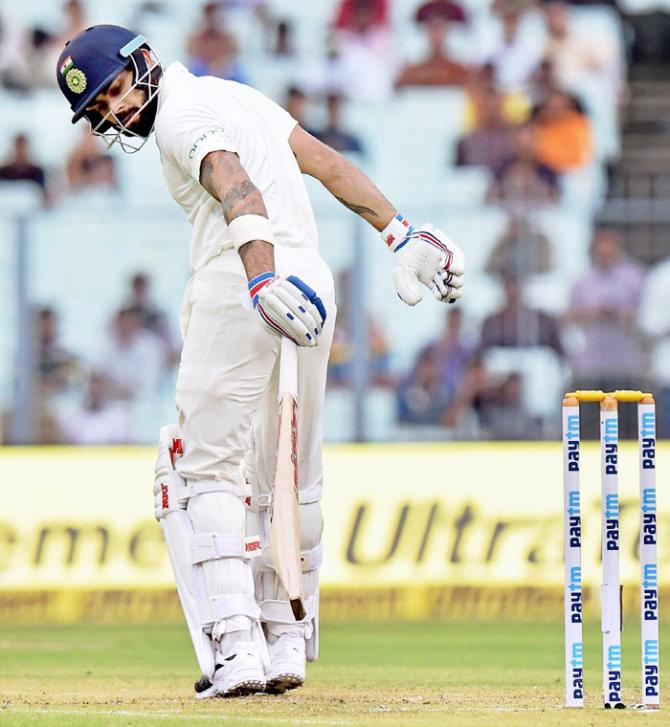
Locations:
(76, 80)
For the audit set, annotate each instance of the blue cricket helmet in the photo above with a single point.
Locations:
(91, 60)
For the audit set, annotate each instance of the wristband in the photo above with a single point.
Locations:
(246, 228)
(396, 233)
(258, 283)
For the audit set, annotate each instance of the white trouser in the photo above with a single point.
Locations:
(227, 398)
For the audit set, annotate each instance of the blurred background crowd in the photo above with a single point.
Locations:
(534, 133)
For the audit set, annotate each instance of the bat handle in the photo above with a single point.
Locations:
(288, 368)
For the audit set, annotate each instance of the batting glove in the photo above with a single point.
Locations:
(289, 307)
(425, 256)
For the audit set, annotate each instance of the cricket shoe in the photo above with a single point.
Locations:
(240, 674)
(287, 664)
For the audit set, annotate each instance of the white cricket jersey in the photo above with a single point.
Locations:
(198, 115)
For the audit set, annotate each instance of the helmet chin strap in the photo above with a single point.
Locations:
(146, 79)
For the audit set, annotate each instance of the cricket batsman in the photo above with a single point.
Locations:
(233, 160)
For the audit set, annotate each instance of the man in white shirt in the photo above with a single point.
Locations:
(233, 160)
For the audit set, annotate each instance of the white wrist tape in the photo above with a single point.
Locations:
(396, 231)
(246, 228)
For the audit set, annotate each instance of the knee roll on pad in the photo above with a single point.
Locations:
(190, 553)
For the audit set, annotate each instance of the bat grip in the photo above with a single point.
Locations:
(288, 368)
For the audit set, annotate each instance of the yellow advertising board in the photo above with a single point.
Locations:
(412, 531)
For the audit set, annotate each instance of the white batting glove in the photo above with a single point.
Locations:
(425, 256)
(289, 307)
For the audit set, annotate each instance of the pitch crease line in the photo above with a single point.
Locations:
(179, 715)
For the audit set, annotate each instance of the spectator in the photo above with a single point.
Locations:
(518, 326)
(453, 350)
(521, 182)
(502, 414)
(212, 49)
(362, 16)
(21, 167)
(13, 63)
(132, 358)
(577, 54)
(57, 367)
(333, 134)
(97, 419)
(437, 69)
(604, 307)
(339, 364)
(522, 249)
(488, 145)
(45, 44)
(423, 397)
(283, 45)
(516, 46)
(562, 133)
(450, 11)
(151, 317)
(88, 166)
(655, 322)
(295, 104)
(363, 49)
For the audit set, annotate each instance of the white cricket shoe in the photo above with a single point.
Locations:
(240, 674)
(287, 664)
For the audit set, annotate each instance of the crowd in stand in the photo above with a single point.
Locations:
(526, 122)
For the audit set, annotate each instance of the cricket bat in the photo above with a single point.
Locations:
(284, 511)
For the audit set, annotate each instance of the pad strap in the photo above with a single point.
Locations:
(203, 487)
(233, 604)
(213, 546)
(309, 559)
(259, 502)
(281, 612)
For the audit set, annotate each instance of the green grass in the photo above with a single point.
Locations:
(452, 673)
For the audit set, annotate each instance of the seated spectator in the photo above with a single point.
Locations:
(577, 53)
(283, 44)
(97, 419)
(13, 61)
(21, 167)
(438, 69)
(46, 43)
(502, 414)
(603, 307)
(363, 51)
(517, 325)
(341, 353)
(294, 103)
(423, 397)
(521, 181)
(90, 166)
(333, 134)
(655, 322)
(360, 16)
(151, 317)
(522, 248)
(488, 145)
(450, 11)
(562, 133)
(131, 358)
(57, 367)
(212, 49)
(516, 46)
(453, 349)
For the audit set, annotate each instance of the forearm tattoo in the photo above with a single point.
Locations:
(357, 208)
(222, 175)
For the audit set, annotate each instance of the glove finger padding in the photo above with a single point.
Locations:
(288, 306)
(407, 284)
